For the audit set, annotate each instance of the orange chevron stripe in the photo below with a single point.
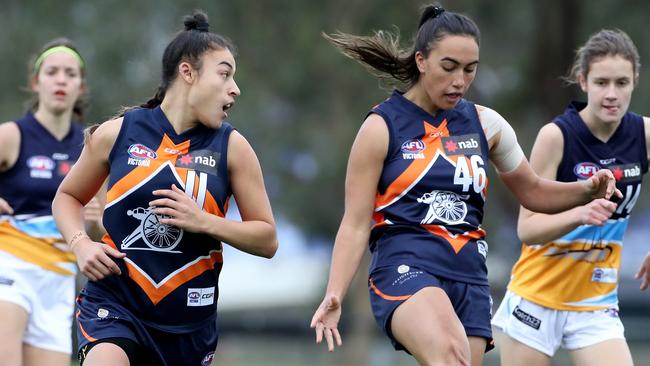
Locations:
(456, 241)
(106, 239)
(210, 205)
(433, 143)
(157, 294)
(83, 331)
(139, 173)
(384, 296)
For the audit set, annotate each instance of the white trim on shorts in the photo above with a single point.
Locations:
(546, 329)
(48, 298)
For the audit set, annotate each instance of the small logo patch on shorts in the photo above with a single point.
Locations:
(102, 313)
(526, 318)
(6, 281)
(207, 360)
(403, 269)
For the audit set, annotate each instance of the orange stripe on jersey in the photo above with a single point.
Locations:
(83, 331)
(106, 239)
(457, 241)
(210, 205)
(433, 143)
(156, 294)
(378, 218)
(167, 151)
(387, 297)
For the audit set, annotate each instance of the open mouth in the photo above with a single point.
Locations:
(59, 93)
(228, 106)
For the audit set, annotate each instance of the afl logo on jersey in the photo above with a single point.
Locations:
(585, 170)
(40, 167)
(140, 155)
(412, 149)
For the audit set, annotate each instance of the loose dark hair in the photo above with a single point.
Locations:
(381, 53)
(80, 107)
(606, 42)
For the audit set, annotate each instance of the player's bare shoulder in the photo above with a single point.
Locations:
(103, 136)
(9, 144)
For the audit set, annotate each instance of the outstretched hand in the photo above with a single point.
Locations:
(644, 273)
(602, 185)
(325, 322)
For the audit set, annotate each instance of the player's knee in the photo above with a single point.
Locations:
(447, 351)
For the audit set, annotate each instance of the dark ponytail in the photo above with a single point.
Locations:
(382, 55)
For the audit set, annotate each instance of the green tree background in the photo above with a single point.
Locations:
(302, 102)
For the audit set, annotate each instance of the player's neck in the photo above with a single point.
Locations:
(600, 129)
(57, 124)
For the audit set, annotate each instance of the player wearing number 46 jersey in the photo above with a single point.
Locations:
(418, 167)
(563, 290)
(172, 166)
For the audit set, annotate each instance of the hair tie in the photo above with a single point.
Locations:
(202, 26)
(435, 12)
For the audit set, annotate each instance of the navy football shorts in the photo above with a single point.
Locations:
(99, 320)
(390, 286)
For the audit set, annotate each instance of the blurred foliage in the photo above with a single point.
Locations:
(302, 102)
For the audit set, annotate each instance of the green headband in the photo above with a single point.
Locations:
(52, 50)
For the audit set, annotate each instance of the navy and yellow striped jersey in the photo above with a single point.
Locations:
(580, 270)
(29, 186)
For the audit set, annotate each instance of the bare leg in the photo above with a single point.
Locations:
(13, 321)
(106, 354)
(515, 353)
(609, 352)
(34, 356)
(477, 348)
(428, 327)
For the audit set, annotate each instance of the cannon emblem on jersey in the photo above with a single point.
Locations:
(157, 236)
(445, 206)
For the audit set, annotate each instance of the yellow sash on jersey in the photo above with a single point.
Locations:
(39, 251)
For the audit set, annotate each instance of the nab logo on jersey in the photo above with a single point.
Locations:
(201, 160)
(140, 155)
(412, 149)
(462, 145)
(626, 172)
(585, 170)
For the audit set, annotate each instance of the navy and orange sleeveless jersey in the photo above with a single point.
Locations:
(430, 197)
(169, 276)
(579, 271)
(29, 187)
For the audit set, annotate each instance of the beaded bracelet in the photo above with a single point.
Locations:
(74, 240)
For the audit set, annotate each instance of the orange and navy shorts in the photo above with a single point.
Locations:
(102, 321)
(390, 286)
